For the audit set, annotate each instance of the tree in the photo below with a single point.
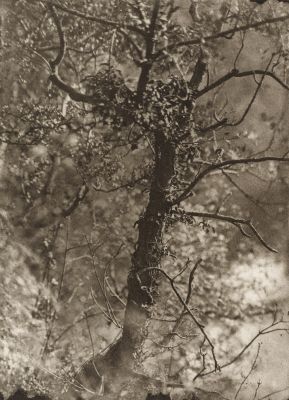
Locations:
(162, 117)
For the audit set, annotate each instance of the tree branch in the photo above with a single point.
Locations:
(82, 192)
(61, 51)
(219, 35)
(216, 125)
(228, 163)
(251, 102)
(54, 78)
(236, 74)
(186, 307)
(253, 366)
(199, 71)
(244, 193)
(73, 94)
(99, 20)
(150, 43)
(231, 220)
(263, 331)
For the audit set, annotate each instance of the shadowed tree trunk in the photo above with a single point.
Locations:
(142, 280)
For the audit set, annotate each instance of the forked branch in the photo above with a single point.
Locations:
(54, 64)
(186, 307)
(275, 326)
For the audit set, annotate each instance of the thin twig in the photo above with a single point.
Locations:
(189, 311)
(253, 366)
(264, 331)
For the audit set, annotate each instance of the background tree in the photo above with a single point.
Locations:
(124, 141)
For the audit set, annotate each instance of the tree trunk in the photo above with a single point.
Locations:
(119, 362)
(143, 284)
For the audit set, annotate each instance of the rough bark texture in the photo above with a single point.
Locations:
(142, 284)
(118, 363)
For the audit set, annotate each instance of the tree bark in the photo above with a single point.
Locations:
(143, 284)
(118, 364)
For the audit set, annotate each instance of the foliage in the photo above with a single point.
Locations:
(133, 148)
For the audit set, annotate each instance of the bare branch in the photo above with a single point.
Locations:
(61, 51)
(72, 325)
(189, 293)
(108, 312)
(74, 94)
(253, 97)
(231, 220)
(102, 21)
(82, 192)
(244, 193)
(228, 163)
(272, 393)
(216, 125)
(191, 278)
(243, 35)
(188, 310)
(132, 42)
(128, 185)
(219, 35)
(253, 366)
(264, 331)
(236, 74)
(199, 71)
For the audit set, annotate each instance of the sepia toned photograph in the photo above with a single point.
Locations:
(144, 200)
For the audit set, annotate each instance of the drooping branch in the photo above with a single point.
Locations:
(251, 102)
(244, 193)
(73, 93)
(227, 163)
(236, 74)
(239, 222)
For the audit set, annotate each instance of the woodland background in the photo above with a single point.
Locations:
(75, 183)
